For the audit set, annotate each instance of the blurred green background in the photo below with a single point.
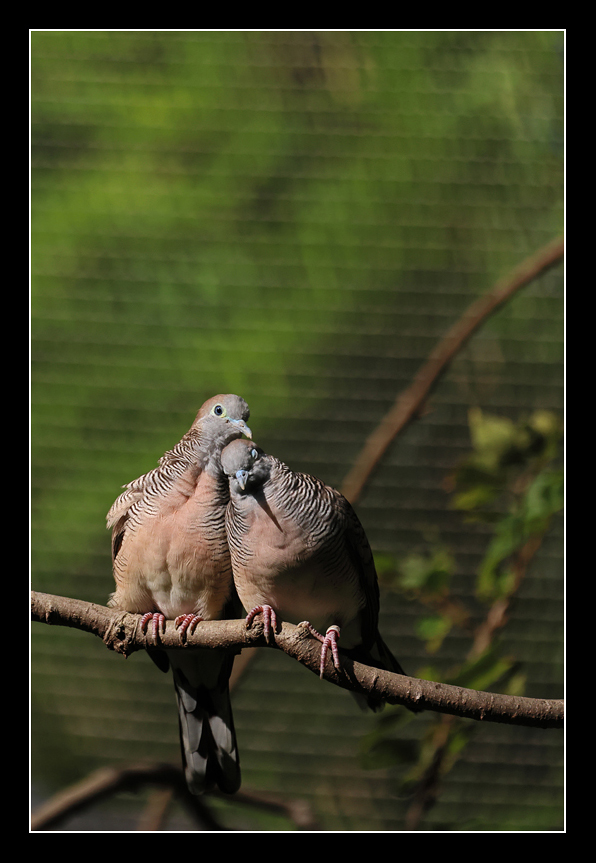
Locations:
(296, 217)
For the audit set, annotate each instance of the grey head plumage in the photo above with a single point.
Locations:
(245, 465)
(219, 420)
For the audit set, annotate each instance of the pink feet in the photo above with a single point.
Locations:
(187, 623)
(184, 623)
(328, 641)
(159, 624)
(269, 619)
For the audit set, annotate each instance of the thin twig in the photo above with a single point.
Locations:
(498, 613)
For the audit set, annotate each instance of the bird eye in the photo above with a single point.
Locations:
(218, 410)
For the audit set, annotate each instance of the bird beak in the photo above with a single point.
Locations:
(242, 425)
(242, 477)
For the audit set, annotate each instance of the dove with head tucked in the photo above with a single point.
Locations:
(299, 551)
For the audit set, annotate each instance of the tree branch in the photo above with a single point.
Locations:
(103, 783)
(120, 631)
(409, 403)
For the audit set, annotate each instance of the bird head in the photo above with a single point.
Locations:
(242, 463)
(229, 409)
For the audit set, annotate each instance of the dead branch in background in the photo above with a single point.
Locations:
(168, 783)
(409, 403)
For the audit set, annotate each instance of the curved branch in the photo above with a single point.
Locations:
(105, 782)
(120, 631)
(409, 403)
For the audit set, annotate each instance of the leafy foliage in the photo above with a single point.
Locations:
(512, 481)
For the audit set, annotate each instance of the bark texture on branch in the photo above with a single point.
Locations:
(121, 632)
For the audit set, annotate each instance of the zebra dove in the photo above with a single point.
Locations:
(171, 560)
(298, 550)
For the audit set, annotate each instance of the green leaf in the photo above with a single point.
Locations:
(433, 630)
(475, 497)
(509, 536)
(490, 434)
(431, 574)
(545, 496)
